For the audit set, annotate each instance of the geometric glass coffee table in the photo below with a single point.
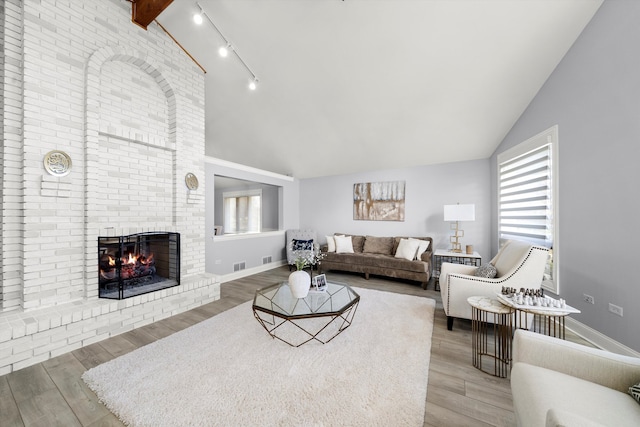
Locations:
(320, 316)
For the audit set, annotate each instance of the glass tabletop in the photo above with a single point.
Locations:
(277, 299)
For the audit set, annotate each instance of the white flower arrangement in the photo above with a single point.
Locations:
(306, 258)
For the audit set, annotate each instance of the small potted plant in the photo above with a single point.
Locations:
(300, 280)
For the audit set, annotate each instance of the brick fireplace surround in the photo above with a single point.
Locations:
(127, 106)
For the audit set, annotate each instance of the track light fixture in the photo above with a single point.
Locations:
(228, 47)
(224, 50)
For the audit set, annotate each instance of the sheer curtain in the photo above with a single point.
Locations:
(242, 212)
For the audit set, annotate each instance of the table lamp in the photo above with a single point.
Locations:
(455, 214)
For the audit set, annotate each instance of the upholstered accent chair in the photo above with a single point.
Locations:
(562, 383)
(518, 265)
(299, 240)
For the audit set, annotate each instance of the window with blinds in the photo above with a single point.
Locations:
(526, 199)
(527, 183)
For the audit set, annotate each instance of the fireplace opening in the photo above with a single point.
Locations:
(137, 264)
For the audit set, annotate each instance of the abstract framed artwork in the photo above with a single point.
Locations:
(379, 201)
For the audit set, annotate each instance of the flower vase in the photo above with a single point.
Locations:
(299, 283)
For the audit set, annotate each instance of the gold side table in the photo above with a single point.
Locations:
(546, 322)
(492, 332)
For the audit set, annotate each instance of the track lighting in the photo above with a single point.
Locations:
(197, 17)
(225, 50)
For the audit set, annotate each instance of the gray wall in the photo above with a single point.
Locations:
(222, 253)
(326, 204)
(594, 97)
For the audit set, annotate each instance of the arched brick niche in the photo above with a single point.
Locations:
(131, 150)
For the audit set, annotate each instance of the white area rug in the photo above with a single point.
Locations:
(227, 371)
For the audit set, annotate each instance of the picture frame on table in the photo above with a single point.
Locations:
(319, 283)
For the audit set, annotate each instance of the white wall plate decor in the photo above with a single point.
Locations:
(191, 180)
(57, 163)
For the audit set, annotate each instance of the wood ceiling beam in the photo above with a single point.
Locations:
(143, 12)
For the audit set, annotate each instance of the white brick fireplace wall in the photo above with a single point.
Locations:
(127, 106)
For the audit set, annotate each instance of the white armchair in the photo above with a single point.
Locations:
(518, 265)
(561, 383)
(300, 235)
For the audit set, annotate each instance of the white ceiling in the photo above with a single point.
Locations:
(357, 85)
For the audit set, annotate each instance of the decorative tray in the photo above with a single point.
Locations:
(510, 302)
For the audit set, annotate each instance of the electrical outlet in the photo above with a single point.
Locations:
(615, 309)
(588, 298)
(218, 261)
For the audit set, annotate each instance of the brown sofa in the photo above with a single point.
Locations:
(377, 256)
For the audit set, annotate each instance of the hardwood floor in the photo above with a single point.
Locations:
(53, 394)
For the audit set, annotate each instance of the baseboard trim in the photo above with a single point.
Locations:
(599, 339)
(250, 271)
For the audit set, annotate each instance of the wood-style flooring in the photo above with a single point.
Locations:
(53, 394)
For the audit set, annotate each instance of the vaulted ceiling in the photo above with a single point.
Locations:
(358, 85)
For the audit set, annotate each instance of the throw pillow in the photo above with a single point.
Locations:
(356, 241)
(487, 270)
(407, 249)
(634, 391)
(422, 248)
(331, 244)
(378, 245)
(343, 244)
(301, 245)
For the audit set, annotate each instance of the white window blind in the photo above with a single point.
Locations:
(527, 197)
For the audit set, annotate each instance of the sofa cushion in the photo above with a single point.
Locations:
(378, 245)
(391, 263)
(422, 248)
(331, 243)
(377, 261)
(536, 390)
(407, 249)
(344, 244)
(356, 241)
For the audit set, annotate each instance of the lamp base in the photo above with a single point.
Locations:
(455, 244)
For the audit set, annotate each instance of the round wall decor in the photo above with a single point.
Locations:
(191, 180)
(57, 163)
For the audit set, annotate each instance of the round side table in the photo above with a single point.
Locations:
(546, 322)
(491, 326)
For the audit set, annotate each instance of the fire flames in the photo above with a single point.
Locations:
(131, 266)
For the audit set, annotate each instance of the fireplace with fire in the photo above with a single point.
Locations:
(139, 263)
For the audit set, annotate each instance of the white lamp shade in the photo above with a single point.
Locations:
(459, 212)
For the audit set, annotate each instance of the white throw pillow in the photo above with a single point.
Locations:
(422, 248)
(343, 244)
(331, 243)
(407, 249)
